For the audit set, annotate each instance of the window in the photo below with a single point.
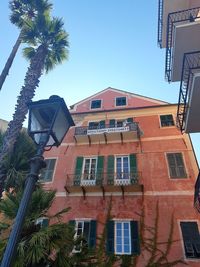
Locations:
(166, 120)
(89, 171)
(122, 170)
(89, 168)
(122, 167)
(86, 230)
(122, 238)
(96, 125)
(47, 173)
(121, 101)
(176, 165)
(191, 239)
(95, 104)
(43, 222)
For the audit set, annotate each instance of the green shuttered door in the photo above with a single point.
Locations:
(135, 244)
(78, 170)
(110, 170)
(133, 168)
(110, 237)
(99, 177)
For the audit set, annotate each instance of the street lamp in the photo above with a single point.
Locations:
(49, 120)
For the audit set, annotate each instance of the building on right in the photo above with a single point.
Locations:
(179, 34)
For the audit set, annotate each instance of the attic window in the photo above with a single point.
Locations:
(121, 101)
(95, 104)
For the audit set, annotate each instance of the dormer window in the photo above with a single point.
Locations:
(95, 104)
(120, 101)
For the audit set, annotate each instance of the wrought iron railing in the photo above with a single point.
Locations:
(160, 22)
(91, 130)
(103, 179)
(175, 18)
(191, 64)
(197, 194)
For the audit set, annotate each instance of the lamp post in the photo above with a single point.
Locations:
(49, 120)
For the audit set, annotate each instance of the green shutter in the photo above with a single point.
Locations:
(112, 123)
(130, 120)
(102, 124)
(99, 177)
(78, 170)
(135, 244)
(110, 170)
(110, 237)
(133, 168)
(92, 234)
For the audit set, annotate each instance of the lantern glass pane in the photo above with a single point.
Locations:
(42, 118)
(61, 125)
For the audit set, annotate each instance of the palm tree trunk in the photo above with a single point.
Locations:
(9, 62)
(27, 92)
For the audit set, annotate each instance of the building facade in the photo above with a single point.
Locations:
(125, 155)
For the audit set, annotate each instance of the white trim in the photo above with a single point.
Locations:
(83, 168)
(147, 193)
(115, 166)
(122, 232)
(96, 108)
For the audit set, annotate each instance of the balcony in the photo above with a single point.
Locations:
(107, 133)
(183, 31)
(189, 97)
(165, 7)
(104, 183)
(197, 194)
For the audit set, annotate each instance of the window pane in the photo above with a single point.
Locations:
(120, 101)
(47, 173)
(119, 249)
(95, 104)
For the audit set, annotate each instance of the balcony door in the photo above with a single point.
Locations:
(89, 171)
(122, 168)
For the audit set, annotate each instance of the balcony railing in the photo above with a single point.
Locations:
(175, 18)
(92, 130)
(197, 194)
(106, 182)
(191, 64)
(160, 22)
(107, 133)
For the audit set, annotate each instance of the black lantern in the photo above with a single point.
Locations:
(49, 121)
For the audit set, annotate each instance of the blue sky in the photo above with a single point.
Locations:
(112, 43)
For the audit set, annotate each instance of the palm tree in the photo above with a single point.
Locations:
(48, 47)
(40, 244)
(22, 11)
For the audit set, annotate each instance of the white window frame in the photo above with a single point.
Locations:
(120, 105)
(122, 180)
(122, 232)
(89, 181)
(77, 221)
(55, 166)
(181, 237)
(95, 100)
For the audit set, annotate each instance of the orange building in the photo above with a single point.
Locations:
(127, 146)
